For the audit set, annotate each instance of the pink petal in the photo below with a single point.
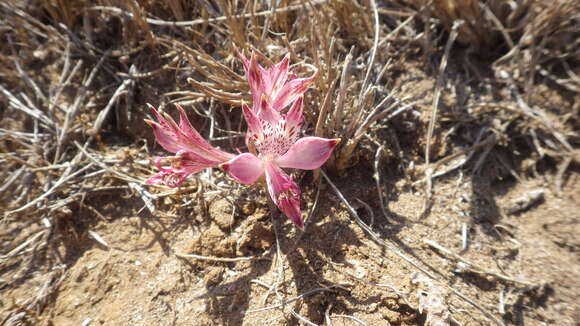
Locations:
(182, 165)
(266, 112)
(284, 192)
(277, 76)
(158, 177)
(165, 138)
(294, 116)
(251, 70)
(155, 179)
(193, 162)
(290, 91)
(244, 168)
(254, 74)
(174, 137)
(169, 179)
(195, 140)
(307, 153)
(254, 123)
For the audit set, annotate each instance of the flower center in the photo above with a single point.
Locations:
(275, 139)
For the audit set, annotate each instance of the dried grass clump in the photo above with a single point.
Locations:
(523, 52)
(481, 19)
(548, 45)
(536, 35)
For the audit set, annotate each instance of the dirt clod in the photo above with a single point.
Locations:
(222, 213)
(258, 237)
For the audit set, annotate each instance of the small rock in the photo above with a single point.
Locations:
(527, 200)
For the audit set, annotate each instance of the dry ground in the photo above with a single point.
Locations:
(453, 199)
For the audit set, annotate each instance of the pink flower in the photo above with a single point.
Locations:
(272, 137)
(276, 139)
(193, 153)
(273, 84)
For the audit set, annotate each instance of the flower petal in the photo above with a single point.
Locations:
(165, 178)
(285, 193)
(181, 166)
(291, 90)
(307, 153)
(174, 137)
(170, 176)
(254, 74)
(158, 177)
(244, 168)
(276, 77)
(254, 123)
(195, 140)
(266, 112)
(295, 116)
(163, 137)
(192, 162)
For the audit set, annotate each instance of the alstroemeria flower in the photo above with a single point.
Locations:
(193, 153)
(276, 139)
(273, 139)
(273, 84)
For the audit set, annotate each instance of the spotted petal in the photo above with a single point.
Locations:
(295, 116)
(284, 192)
(252, 119)
(181, 166)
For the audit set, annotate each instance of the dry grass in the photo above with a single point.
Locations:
(75, 78)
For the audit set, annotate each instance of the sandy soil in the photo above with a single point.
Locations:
(137, 278)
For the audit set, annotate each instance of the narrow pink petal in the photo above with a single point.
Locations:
(254, 75)
(267, 113)
(182, 165)
(193, 162)
(165, 138)
(284, 192)
(307, 153)
(160, 118)
(244, 168)
(174, 137)
(155, 179)
(186, 127)
(294, 117)
(169, 179)
(291, 91)
(254, 123)
(195, 140)
(166, 131)
(277, 76)
(158, 177)
(255, 79)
